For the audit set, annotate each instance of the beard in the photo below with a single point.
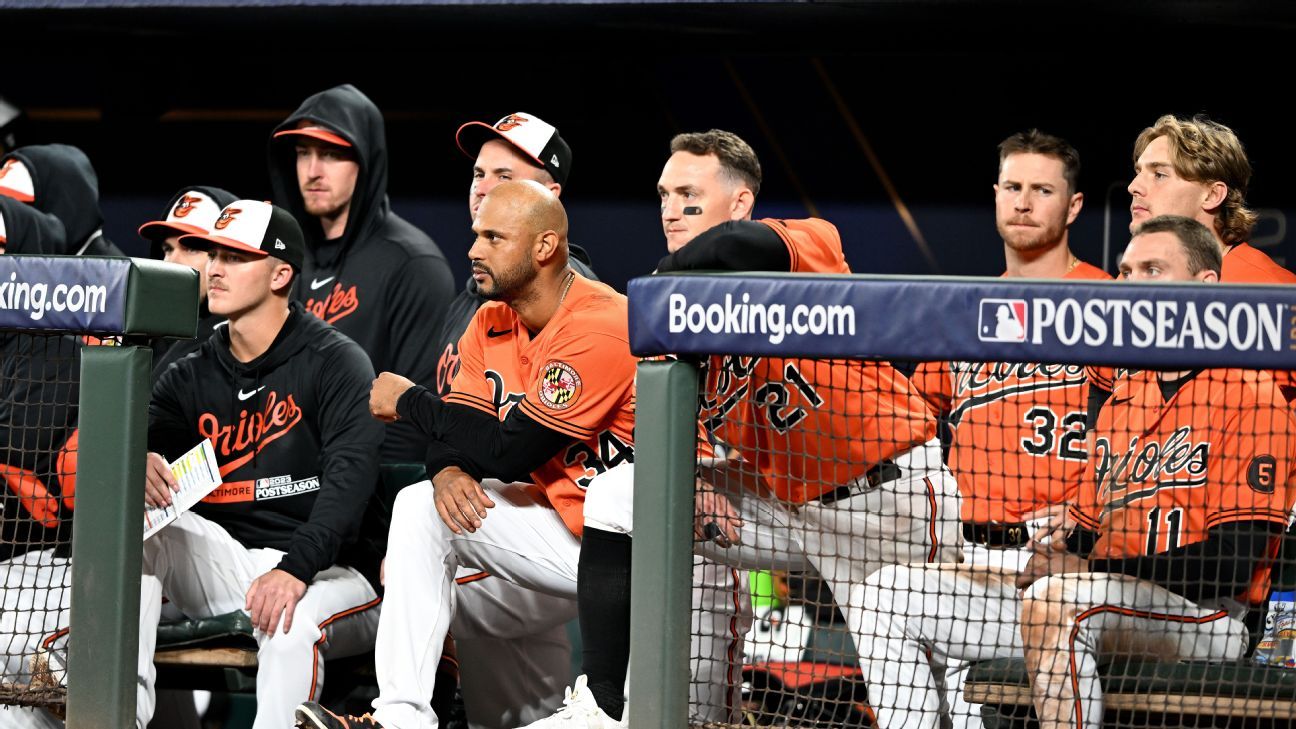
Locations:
(1026, 240)
(507, 284)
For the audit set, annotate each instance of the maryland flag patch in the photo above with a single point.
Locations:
(559, 386)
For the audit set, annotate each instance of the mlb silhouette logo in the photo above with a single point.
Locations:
(1002, 320)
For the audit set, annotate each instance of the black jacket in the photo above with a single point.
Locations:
(38, 418)
(66, 186)
(384, 283)
(292, 432)
(30, 231)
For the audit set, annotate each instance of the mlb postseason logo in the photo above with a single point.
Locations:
(1002, 320)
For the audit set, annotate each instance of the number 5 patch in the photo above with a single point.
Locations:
(1260, 475)
(559, 386)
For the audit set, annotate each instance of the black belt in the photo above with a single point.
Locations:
(997, 535)
(876, 476)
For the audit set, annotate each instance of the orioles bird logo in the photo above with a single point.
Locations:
(185, 205)
(226, 217)
(511, 121)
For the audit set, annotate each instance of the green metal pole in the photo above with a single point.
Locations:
(107, 538)
(665, 463)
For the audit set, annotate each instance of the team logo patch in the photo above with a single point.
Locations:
(226, 217)
(511, 121)
(1260, 475)
(185, 205)
(1002, 320)
(560, 386)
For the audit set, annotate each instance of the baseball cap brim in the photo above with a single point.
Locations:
(18, 195)
(323, 135)
(474, 134)
(159, 229)
(205, 242)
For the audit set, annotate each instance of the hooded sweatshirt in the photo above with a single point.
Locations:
(28, 230)
(166, 351)
(65, 185)
(297, 448)
(383, 283)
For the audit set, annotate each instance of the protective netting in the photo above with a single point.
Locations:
(966, 542)
(38, 451)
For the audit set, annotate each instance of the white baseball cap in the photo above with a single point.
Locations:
(16, 181)
(194, 212)
(528, 133)
(256, 227)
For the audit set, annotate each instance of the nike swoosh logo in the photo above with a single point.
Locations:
(492, 333)
(245, 395)
(316, 283)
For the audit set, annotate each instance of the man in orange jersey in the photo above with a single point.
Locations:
(545, 393)
(1017, 445)
(833, 466)
(1189, 496)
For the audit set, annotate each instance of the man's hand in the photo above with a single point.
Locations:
(1051, 559)
(1056, 527)
(714, 518)
(159, 483)
(387, 389)
(460, 500)
(271, 595)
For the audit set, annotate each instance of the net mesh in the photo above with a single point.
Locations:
(962, 542)
(38, 427)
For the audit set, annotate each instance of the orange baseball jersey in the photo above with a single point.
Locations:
(1221, 449)
(576, 376)
(1018, 429)
(811, 425)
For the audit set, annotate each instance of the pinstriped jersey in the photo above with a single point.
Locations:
(811, 425)
(1221, 449)
(1018, 429)
(575, 376)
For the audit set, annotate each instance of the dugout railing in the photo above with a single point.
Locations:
(910, 319)
(117, 305)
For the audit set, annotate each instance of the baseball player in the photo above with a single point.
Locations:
(1198, 168)
(367, 271)
(545, 392)
(282, 397)
(843, 472)
(193, 210)
(58, 179)
(1190, 492)
(1018, 430)
(496, 621)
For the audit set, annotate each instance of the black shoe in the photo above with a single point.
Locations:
(311, 715)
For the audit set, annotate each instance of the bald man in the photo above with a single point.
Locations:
(544, 395)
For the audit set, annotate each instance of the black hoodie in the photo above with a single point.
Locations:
(166, 351)
(65, 185)
(30, 231)
(297, 448)
(384, 283)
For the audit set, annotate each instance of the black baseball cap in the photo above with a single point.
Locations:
(255, 227)
(536, 139)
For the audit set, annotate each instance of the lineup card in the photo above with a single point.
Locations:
(198, 474)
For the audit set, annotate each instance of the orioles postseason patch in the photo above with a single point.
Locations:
(559, 386)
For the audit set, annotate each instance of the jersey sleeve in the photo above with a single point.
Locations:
(1103, 377)
(813, 245)
(1252, 468)
(586, 378)
(470, 386)
(934, 384)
